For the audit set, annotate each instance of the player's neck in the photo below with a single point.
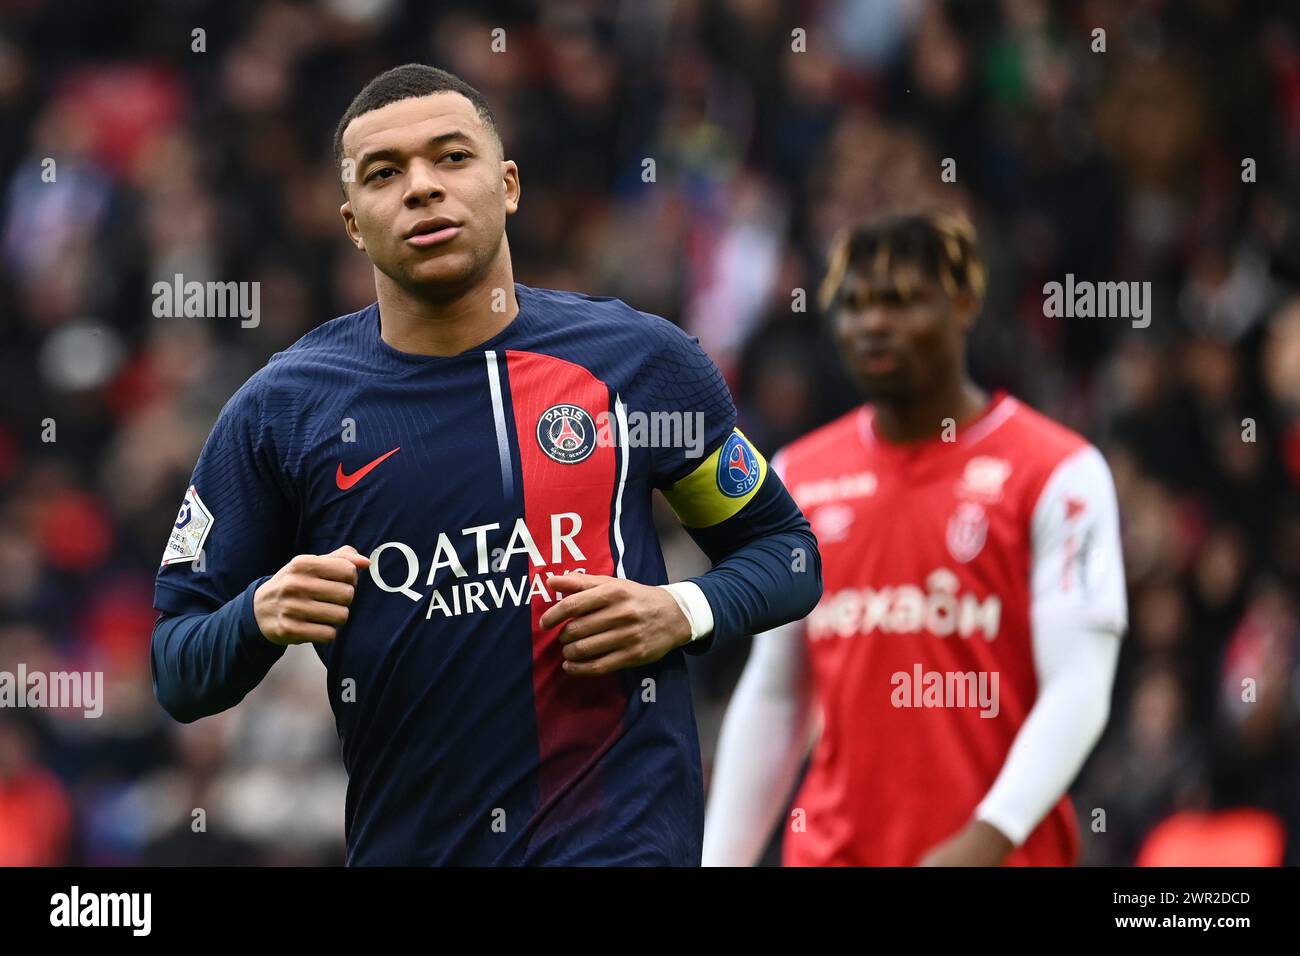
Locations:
(421, 326)
(926, 416)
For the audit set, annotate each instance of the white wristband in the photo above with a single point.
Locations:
(694, 605)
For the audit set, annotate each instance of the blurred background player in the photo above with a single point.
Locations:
(963, 652)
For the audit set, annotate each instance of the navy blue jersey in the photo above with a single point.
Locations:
(469, 480)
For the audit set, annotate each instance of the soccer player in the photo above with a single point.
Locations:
(448, 494)
(960, 662)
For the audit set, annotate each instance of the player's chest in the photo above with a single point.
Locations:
(479, 440)
(889, 526)
(939, 552)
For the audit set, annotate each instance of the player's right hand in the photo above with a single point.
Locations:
(307, 600)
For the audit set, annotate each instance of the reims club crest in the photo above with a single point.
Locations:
(566, 433)
(968, 529)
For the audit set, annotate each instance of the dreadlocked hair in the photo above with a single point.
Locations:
(908, 247)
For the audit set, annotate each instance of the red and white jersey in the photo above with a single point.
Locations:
(939, 560)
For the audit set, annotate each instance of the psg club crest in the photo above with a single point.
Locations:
(566, 433)
(737, 467)
(968, 528)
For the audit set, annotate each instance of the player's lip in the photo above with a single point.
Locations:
(430, 232)
(879, 360)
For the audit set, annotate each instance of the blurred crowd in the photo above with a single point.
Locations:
(193, 137)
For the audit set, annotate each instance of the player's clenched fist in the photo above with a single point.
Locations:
(613, 623)
(308, 598)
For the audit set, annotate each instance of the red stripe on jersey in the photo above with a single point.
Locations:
(578, 718)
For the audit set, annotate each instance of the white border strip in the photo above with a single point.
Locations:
(620, 414)
(499, 417)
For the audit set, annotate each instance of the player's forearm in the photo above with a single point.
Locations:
(763, 741)
(763, 585)
(766, 570)
(1060, 731)
(206, 663)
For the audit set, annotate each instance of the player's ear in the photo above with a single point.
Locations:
(510, 180)
(350, 226)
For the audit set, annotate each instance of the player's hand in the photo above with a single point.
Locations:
(613, 623)
(976, 844)
(307, 600)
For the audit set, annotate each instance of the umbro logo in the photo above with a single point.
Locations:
(347, 481)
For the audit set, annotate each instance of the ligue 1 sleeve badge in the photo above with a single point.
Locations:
(566, 433)
(738, 469)
(193, 523)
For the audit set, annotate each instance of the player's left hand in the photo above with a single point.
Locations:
(976, 844)
(613, 623)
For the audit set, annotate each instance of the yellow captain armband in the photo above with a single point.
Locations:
(722, 484)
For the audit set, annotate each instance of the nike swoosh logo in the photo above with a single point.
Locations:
(347, 481)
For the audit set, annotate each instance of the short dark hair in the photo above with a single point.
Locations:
(935, 244)
(404, 83)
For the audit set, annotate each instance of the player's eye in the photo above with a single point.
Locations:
(457, 156)
(381, 173)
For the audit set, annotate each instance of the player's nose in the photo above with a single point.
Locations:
(875, 319)
(422, 183)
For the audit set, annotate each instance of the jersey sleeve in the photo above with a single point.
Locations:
(714, 471)
(1078, 612)
(681, 383)
(1077, 578)
(238, 518)
(766, 567)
